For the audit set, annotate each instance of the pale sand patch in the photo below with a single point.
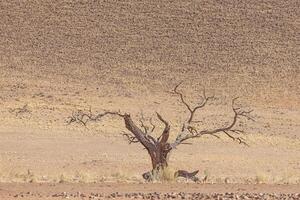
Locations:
(48, 158)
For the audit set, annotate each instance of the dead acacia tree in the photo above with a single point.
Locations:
(159, 148)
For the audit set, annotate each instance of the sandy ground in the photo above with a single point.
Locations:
(48, 158)
(57, 57)
(101, 191)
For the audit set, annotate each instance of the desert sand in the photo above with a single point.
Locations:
(58, 57)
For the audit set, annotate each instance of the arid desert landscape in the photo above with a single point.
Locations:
(61, 58)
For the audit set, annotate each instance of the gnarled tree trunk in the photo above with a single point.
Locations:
(158, 149)
(159, 157)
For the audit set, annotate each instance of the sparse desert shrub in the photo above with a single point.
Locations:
(62, 178)
(166, 174)
(83, 177)
(27, 177)
(261, 178)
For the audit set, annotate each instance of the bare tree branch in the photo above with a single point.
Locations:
(239, 139)
(181, 97)
(166, 132)
(192, 111)
(146, 140)
(83, 117)
(130, 138)
(194, 133)
(153, 126)
(146, 128)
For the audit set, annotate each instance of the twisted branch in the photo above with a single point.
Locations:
(192, 111)
(163, 138)
(144, 138)
(194, 133)
(130, 138)
(83, 118)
